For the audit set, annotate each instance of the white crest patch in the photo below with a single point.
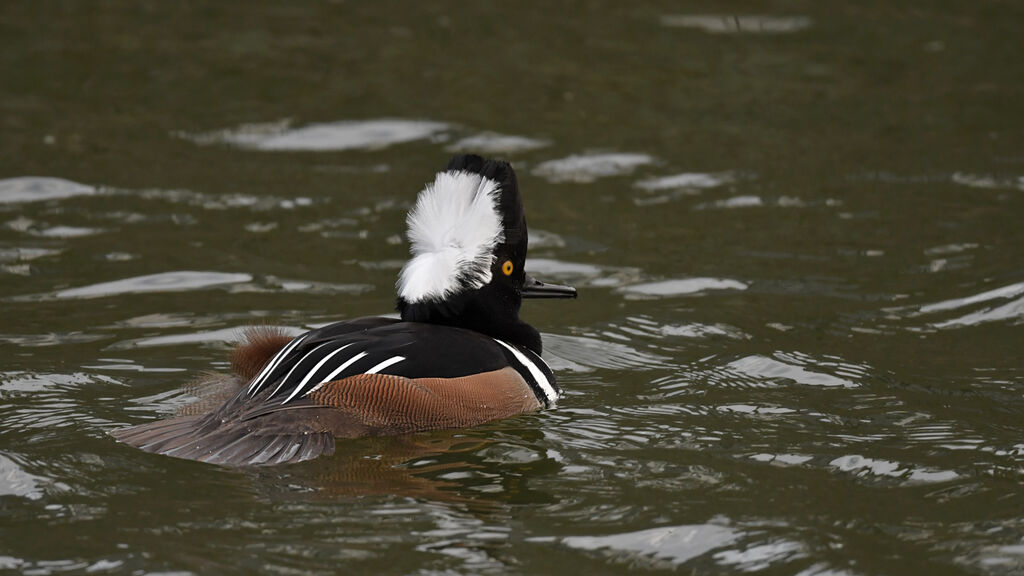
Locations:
(453, 229)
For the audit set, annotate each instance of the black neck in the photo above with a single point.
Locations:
(492, 314)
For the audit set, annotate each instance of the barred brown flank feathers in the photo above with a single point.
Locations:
(394, 405)
(361, 405)
(257, 347)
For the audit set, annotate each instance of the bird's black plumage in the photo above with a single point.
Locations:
(455, 358)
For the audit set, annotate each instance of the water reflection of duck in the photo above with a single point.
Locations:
(459, 356)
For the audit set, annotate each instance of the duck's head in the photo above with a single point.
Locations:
(468, 241)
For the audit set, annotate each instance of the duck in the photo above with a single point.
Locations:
(457, 356)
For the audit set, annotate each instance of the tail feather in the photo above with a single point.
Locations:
(191, 438)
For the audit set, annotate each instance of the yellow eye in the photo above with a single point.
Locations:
(506, 268)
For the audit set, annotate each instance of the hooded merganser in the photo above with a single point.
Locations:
(458, 357)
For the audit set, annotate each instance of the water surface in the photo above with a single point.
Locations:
(796, 231)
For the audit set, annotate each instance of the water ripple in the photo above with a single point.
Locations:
(40, 189)
(988, 181)
(1012, 310)
(15, 481)
(686, 181)
(665, 189)
(208, 201)
(163, 282)
(670, 545)
(585, 353)
(43, 230)
(681, 287)
(583, 168)
(774, 369)
(25, 254)
(861, 466)
(582, 274)
(738, 23)
(494, 143)
(232, 334)
(333, 136)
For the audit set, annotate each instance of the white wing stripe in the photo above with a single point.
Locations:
(336, 372)
(385, 364)
(313, 372)
(257, 382)
(297, 363)
(538, 375)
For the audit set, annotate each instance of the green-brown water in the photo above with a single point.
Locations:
(796, 229)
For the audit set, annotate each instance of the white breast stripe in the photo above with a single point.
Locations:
(336, 372)
(297, 362)
(538, 375)
(257, 382)
(385, 364)
(305, 380)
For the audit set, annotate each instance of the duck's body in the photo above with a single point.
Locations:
(459, 356)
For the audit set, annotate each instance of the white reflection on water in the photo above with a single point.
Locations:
(760, 557)
(14, 481)
(34, 228)
(698, 330)
(493, 143)
(1012, 310)
(271, 284)
(781, 459)
(675, 544)
(1009, 291)
(738, 23)
(583, 168)
(220, 201)
(67, 232)
(681, 287)
(746, 201)
(988, 181)
(38, 189)
(545, 239)
(49, 338)
(222, 335)
(581, 274)
(39, 406)
(1008, 311)
(20, 254)
(233, 334)
(945, 249)
(765, 368)
(686, 180)
(162, 282)
(332, 136)
(584, 353)
(665, 189)
(643, 326)
(860, 465)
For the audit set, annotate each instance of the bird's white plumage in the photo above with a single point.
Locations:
(258, 381)
(538, 375)
(309, 375)
(453, 230)
(389, 362)
(337, 371)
